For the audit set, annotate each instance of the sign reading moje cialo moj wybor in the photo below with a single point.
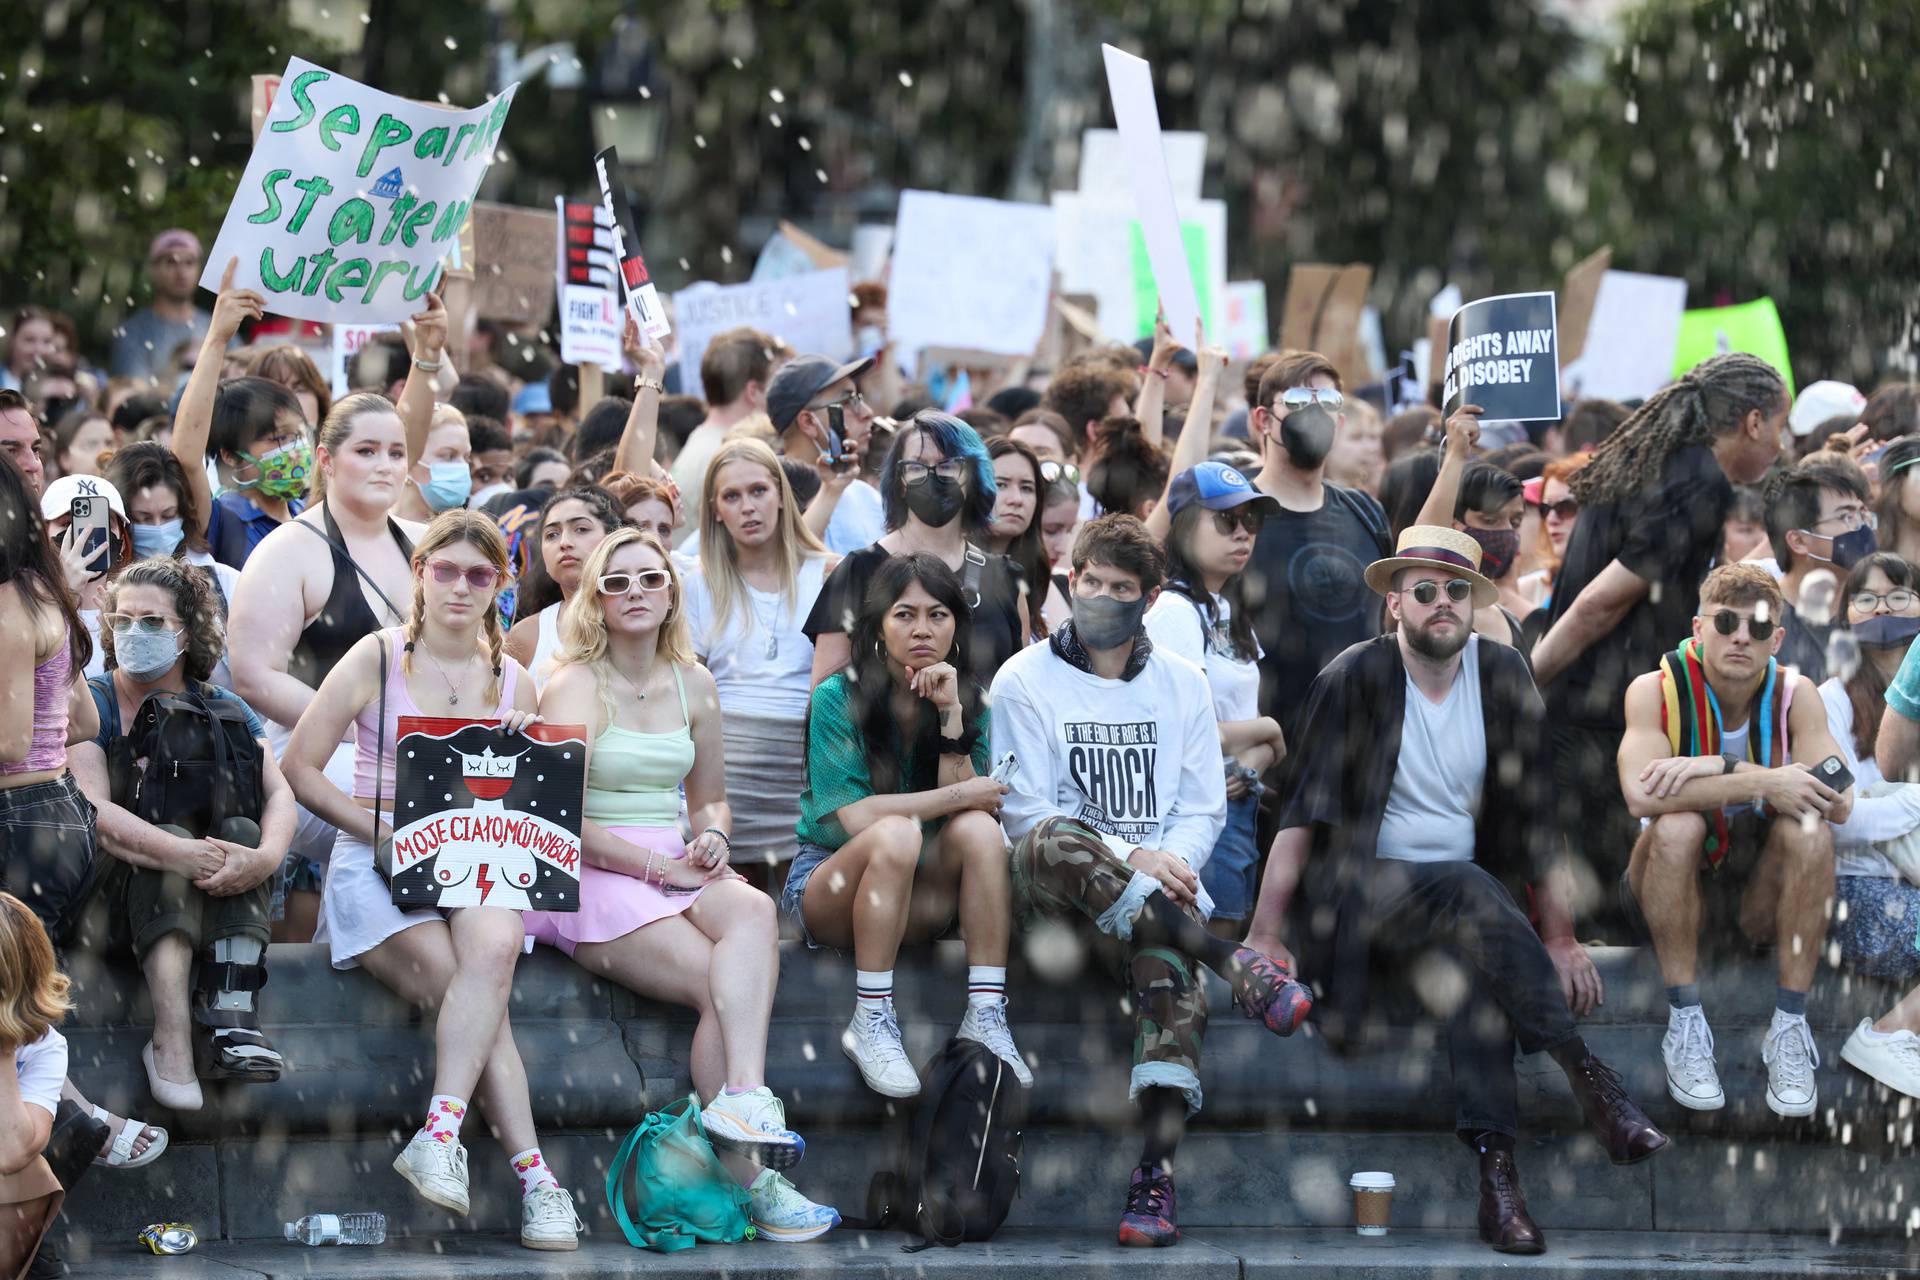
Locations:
(352, 198)
(1503, 354)
(484, 818)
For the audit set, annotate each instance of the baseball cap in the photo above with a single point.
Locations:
(174, 240)
(57, 499)
(1215, 486)
(1819, 401)
(534, 398)
(1182, 359)
(801, 379)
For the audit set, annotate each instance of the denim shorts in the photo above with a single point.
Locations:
(1877, 932)
(46, 851)
(805, 863)
(1231, 875)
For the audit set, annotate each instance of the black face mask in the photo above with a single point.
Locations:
(936, 500)
(1886, 631)
(1307, 436)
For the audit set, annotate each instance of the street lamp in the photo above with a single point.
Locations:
(628, 98)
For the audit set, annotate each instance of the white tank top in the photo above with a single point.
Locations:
(546, 651)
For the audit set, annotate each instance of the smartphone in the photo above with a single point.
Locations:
(1004, 771)
(1834, 772)
(90, 533)
(836, 434)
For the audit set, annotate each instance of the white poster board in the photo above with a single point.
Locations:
(1630, 339)
(351, 198)
(1243, 326)
(1130, 82)
(969, 273)
(1103, 162)
(810, 312)
(1097, 255)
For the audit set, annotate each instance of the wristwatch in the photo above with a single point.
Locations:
(644, 383)
(1733, 762)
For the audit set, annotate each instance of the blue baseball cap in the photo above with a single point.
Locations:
(1215, 486)
(534, 398)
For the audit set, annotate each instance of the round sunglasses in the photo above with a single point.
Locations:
(1726, 622)
(1458, 589)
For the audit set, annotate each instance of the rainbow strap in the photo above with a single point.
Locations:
(1690, 714)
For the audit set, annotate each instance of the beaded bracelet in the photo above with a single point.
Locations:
(723, 837)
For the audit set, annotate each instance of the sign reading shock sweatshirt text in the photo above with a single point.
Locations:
(352, 198)
(1503, 354)
(1113, 766)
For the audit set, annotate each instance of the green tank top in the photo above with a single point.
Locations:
(634, 778)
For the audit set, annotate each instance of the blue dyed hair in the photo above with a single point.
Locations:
(954, 439)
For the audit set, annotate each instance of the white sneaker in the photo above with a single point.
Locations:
(755, 1125)
(547, 1219)
(1790, 1057)
(437, 1169)
(988, 1026)
(1688, 1050)
(1893, 1058)
(781, 1214)
(872, 1040)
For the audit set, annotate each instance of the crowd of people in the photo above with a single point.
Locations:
(1244, 675)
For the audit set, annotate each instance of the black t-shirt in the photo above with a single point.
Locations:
(1803, 645)
(1306, 593)
(1668, 533)
(996, 618)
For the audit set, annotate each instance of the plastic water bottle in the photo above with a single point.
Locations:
(339, 1228)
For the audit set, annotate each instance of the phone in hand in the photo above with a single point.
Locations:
(1834, 772)
(836, 434)
(90, 533)
(1004, 771)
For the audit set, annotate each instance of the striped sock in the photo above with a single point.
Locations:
(986, 985)
(532, 1171)
(444, 1115)
(874, 990)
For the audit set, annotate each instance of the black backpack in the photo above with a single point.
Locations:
(187, 761)
(958, 1150)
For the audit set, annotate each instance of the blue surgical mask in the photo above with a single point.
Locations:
(158, 539)
(1851, 548)
(448, 485)
(145, 655)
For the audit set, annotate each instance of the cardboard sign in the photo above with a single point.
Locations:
(1578, 294)
(586, 273)
(1631, 338)
(347, 341)
(811, 312)
(484, 818)
(1503, 355)
(1322, 313)
(1130, 84)
(352, 198)
(969, 272)
(264, 87)
(1752, 327)
(1243, 329)
(513, 274)
(643, 300)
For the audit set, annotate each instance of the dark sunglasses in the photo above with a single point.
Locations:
(1458, 589)
(618, 584)
(1248, 518)
(1726, 622)
(480, 577)
(1566, 508)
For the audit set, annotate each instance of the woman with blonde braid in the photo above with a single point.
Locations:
(448, 660)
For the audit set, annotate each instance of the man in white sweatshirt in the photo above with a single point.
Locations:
(1118, 795)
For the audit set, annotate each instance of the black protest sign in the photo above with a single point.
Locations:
(485, 818)
(1503, 355)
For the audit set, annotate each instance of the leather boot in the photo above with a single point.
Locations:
(1623, 1129)
(1504, 1221)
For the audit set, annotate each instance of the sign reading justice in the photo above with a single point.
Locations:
(485, 818)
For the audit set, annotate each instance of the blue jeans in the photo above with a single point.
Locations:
(1232, 874)
(794, 892)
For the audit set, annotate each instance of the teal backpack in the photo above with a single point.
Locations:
(679, 1192)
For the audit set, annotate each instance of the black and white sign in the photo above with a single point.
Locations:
(1503, 354)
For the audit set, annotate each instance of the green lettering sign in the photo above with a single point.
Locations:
(387, 132)
(351, 274)
(343, 119)
(271, 213)
(353, 220)
(273, 279)
(301, 84)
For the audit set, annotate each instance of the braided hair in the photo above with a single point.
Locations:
(479, 531)
(1706, 403)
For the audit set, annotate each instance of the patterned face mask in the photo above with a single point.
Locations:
(283, 471)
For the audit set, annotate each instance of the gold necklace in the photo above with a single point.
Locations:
(453, 693)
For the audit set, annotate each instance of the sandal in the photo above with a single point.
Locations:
(169, 1093)
(120, 1154)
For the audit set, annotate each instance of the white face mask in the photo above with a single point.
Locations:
(145, 655)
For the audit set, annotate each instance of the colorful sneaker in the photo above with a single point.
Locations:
(547, 1219)
(1268, 991)
(781, 1214)
(1152, 1217)
(872, 1040)
(437, 1170)
(754, 1124)
(988, 1026)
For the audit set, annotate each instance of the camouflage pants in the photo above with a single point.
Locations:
(1063, 869)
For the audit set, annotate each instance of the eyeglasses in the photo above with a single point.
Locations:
(1849, 520)
(1247, 517)
(851, 398)
(1053, 472)
(916, 473)
(618, 584)
(1301, 397)
(1566, 508)
(1458, 589)
(150, 625)
(480, 577)
(1897, 601)
(1726, 622)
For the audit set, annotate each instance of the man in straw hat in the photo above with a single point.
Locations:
(1413, 819)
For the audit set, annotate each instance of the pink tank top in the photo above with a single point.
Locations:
(400, 703)
(51, 680)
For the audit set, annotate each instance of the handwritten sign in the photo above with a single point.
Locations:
(810, 312)
(969, 273)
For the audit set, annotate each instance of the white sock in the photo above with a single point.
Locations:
(986, 985)
(873, 991)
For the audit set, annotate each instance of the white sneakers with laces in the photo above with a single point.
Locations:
(548, 1220)
(781, 1214)
(1891, 1057)
(1688, 1049)
(872, 1040)
(755, 1125)
(1791, 1057)
(987, 1024)
(437, 1170)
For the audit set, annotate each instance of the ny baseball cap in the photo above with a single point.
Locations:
(801, 379)
(1215, 486)
(58, 498)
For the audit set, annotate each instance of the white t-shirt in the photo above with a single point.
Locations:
(752, 676)
(1443, 763)
(1175, 625)
(1874, 818)
(42, 1069)
(689, 469)
(859, 520)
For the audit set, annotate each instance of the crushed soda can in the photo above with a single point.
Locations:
(169, 1237)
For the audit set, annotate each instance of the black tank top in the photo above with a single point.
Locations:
(346, 616)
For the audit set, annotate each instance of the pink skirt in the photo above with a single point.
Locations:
(613, 905)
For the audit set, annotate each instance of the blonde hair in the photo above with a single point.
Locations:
(443, 415)
(583, 619)
(476, 530)
(336, 428)
(720, 559)
(33, 991)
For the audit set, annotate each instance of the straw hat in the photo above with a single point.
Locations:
(1429, 546)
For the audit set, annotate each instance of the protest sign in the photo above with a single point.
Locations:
(1322, 313)
(351, 198)
(1130, 84)
(872, 244)
(486, 818)
(347, 341)
(264, 87)
(1502, 354)
(1243, 327)
(1578, 293)
(1103, 162)
(969, 272)
(1752, 327)
(1630, 339)
(810, 312)
(1100, 250)
(586, 272)
(643, 300)
(512, 263)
